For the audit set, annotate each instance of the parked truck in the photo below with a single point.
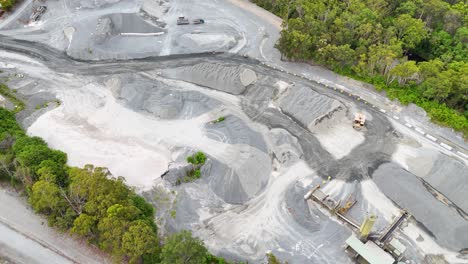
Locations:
(37, 13)
(181, 20)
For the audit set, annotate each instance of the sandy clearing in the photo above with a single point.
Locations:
(250, 7)
(91, 125)
(418, 161)
(338, 136)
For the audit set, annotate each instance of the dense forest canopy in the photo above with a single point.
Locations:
(417, 47)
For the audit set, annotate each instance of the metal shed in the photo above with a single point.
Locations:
(369, 252)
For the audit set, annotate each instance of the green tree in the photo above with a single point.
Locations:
(85, 226)
(182, 248)
(8, 125)
(146, 208)
(46, 198)
(430, 68)
(381, 57)
(294, 43)
(410, 31)
(7, 4)
(432, 12)
(336, 56)
(437, 88)
(138, 241)
(272, 259)
(91, 190)
(404, 71)
(52, 171)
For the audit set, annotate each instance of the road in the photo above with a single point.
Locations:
(26, 238)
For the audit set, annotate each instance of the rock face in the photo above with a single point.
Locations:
(221, 77)
(307, 106)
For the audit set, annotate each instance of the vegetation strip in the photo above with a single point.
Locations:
(9, 94)
(415, 50)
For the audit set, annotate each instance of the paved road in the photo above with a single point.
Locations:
(26, 238)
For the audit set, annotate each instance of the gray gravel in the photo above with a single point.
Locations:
(307, 106)
(161, 100)
(223, 77)
(405, 189)
(234, 131)
(450, 177)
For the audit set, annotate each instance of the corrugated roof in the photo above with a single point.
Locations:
(370, 251)
(397, 245)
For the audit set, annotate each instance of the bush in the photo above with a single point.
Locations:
(8, 125)
(198, 158)
(220, 119)
(7, 4)
(7, 93)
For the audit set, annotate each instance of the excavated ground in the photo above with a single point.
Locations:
(281, 134)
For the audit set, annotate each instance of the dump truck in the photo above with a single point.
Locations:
(181, 20)
(359, 120)
(199, 21)
(37, 13)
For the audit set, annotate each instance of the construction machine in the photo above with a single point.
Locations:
(359, 120)
(37, 13)
(181, 20)
(350, 201)
(199, 21)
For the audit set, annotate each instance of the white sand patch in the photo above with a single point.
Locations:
(418, 161)
(334, 187)
(338, 136)
(69, 33)
(306, 181)
(282, 86)
(423, 141)
(211, 39)
(156, 8)
(378, 201)
(247, 77)
(13, 57)
(88, 138)
(428, 245)
(338, 189)
(92, 127)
